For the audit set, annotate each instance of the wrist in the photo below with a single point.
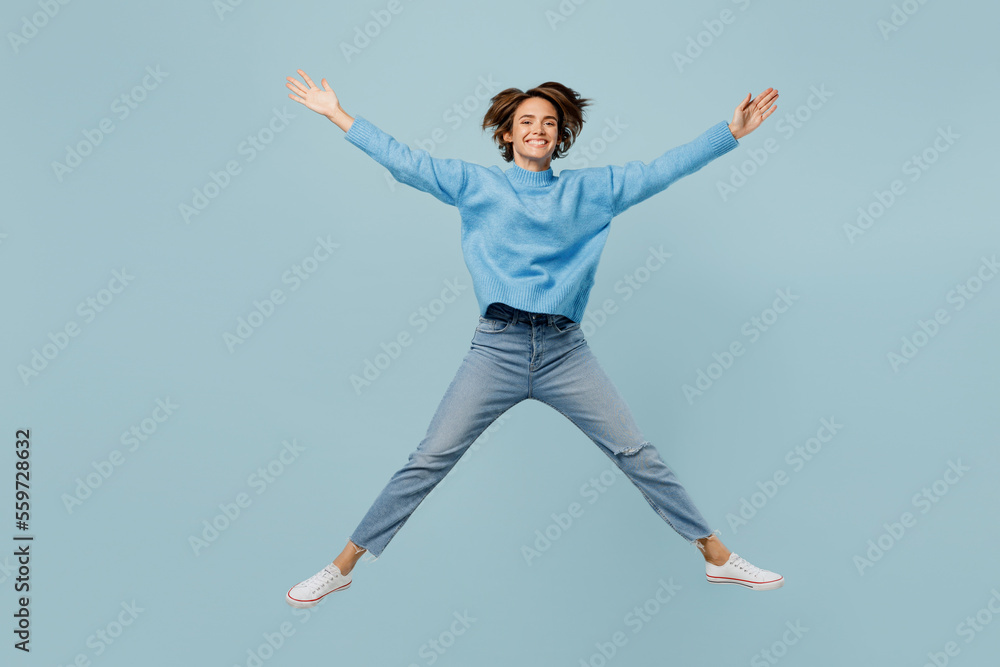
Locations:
(335, 115)
(340, 118)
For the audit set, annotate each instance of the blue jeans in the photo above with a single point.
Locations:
(516, 355)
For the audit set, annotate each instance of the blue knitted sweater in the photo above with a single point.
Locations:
(531, 239)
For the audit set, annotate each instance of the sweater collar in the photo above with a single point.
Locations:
(522, 176)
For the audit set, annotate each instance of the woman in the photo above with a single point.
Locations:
(532, 241)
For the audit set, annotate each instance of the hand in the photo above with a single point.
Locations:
(323, 101)
(749, 115)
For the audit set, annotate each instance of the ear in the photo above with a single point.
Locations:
(507, 138)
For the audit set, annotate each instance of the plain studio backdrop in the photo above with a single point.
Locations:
(206, 288)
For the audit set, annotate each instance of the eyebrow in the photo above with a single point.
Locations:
(531, 115)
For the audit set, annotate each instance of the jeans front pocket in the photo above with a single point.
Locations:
(491, 325)
(563, 324)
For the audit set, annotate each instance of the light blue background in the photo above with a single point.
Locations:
(826, 357)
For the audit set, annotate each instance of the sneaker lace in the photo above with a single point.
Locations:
(316, 582)
(750, 569)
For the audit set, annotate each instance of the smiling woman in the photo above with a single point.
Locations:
(532, 242)
(537, 126)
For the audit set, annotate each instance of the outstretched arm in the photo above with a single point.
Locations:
(636, 181)
(443, 178)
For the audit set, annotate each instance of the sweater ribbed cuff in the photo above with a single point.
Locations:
(361, 132)
(721, 139)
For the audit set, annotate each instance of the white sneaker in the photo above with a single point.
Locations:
(738, 571)
(309, 592)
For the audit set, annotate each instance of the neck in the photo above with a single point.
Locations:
(532, 165)
(522, 176)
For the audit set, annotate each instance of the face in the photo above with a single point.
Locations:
(535, 134)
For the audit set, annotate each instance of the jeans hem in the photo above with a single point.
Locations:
(367, 550)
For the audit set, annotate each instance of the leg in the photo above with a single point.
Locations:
(486, 385)
(574, 383)
(481, 391)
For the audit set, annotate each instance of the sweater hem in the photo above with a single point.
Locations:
(567, 302)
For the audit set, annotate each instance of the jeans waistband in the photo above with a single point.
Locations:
(502, 311)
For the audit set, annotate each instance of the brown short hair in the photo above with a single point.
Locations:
(569, 108)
